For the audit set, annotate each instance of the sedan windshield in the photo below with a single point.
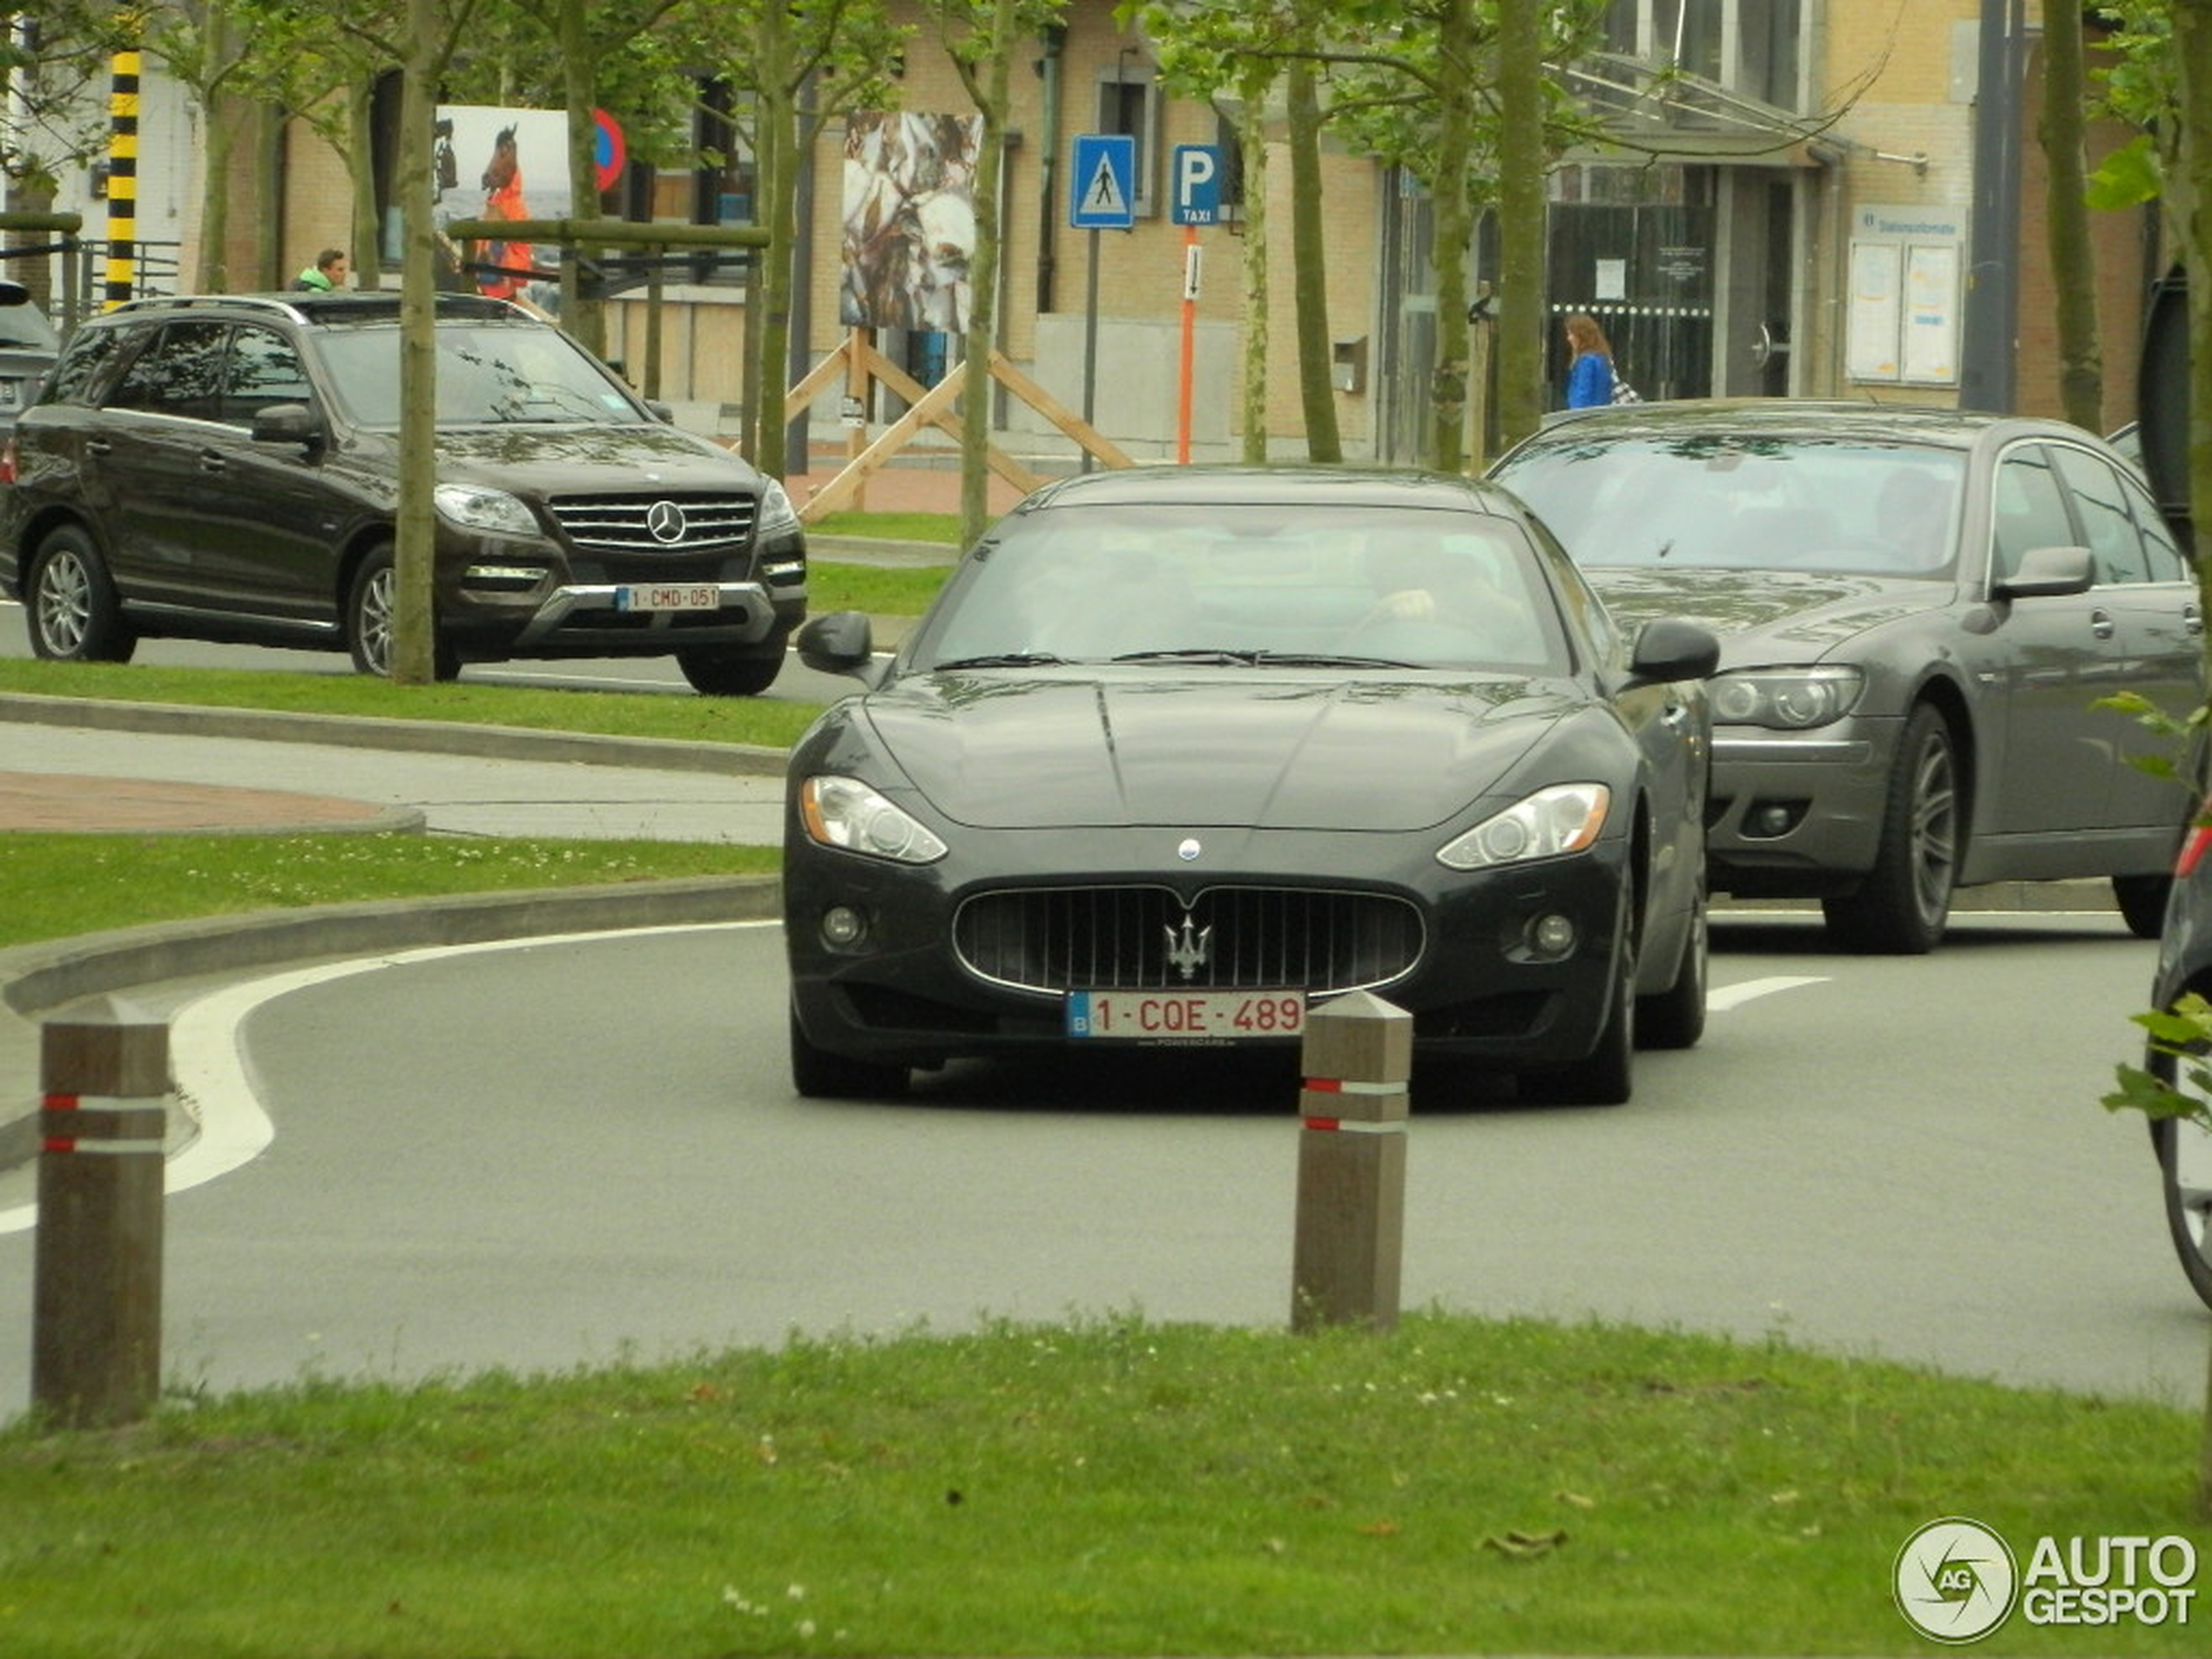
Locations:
(487, 375)
(1735, 503)
(1250, 587)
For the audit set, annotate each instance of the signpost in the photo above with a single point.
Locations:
(1104, 199)
(1197, 201)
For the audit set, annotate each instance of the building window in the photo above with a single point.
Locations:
(1748, 46)
(1129, 102)
(718, 191)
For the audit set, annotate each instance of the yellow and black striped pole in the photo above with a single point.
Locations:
(122, 176)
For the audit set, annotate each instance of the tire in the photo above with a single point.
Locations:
(1606, 1075)
(71, 604)
(1675, 1018)
(2141, 899)
(370, 604)
(1903, 905)
(721, 672)
(819, 1074)
(2188, 1212)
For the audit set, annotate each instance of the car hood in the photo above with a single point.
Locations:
(1005, 753)
(563, 460)
(1811, 612)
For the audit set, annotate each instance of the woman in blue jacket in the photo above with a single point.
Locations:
(1589, 374)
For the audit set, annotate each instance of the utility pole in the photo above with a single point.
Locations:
(1990, 341)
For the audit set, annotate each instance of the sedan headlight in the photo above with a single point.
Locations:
(475, 508)
(1789, 699)
(845, 812)
(778, 515)
(1566, 818)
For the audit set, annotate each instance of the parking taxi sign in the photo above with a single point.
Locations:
(1104, 194)
(1197, 184)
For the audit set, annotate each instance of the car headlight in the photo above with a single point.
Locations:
(475, 508)
(1789, 699)
(845, 812)
(1564, 819)
(776, 514)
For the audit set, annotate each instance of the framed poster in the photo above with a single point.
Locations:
(1877, 274)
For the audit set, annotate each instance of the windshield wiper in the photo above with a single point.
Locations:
(1002, 659)
(1254, 657)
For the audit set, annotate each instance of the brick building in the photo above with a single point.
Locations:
(1791, 212)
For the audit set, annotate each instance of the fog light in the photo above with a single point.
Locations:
(842, 926)
(1551, 937)
(1765, 819)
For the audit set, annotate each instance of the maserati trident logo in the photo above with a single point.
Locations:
(1189, 947)
(664, 521)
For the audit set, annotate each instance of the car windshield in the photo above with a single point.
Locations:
(25, 326)
(1737, 502)
(1269, 586)
(488, 375)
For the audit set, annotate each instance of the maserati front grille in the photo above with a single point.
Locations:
(1142, 938)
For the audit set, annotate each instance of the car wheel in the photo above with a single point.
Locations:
(2143, 902)
(1675, 1018)
(819, 1074)
(371, 604)
(1900, 909)
(733, 674)
(75, 616)
(2185, 1175)
(1606, 1075)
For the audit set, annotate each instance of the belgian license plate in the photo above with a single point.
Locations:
(669, 595)
(1171, 1016)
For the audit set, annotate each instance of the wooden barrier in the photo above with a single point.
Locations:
(95, 1314)
(1350, 1228)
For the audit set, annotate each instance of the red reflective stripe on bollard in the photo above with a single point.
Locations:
(56, 1144)
(1342, 1086)
(1324, 1122)
(60, 1103)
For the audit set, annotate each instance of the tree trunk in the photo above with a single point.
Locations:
(776, 150)
(982, 320)
(1251, 133)
(1309, 276)
(1455, 38)
(585, 319)
(2073, 267)
(414, 640)
(1521, 219)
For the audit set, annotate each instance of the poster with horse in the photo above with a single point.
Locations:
(496, 162)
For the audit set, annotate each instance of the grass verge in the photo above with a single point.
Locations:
(1104, 1486)
(59, 885)
(895, 526)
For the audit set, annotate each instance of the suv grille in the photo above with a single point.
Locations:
(654, 523)
(1135, 939)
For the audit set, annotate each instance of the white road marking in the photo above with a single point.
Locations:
(1722, 998)
(214, 1080)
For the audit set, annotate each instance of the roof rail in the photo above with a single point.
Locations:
(187, 301)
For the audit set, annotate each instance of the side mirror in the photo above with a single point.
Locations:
(2046, 570)
(287, 424)
(13, 294)
(841, 643)
(1670, 649)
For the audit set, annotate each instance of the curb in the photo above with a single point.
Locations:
(38, 979)
(413, 737)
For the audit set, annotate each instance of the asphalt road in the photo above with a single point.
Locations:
(538, 1157)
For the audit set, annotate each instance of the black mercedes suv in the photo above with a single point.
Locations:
(226, 467)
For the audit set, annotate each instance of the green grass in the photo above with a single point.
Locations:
(895, 526)
(59, 885)
(1103, 1486)
(882, 590)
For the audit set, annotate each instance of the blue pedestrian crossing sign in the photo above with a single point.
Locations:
(1103, 192)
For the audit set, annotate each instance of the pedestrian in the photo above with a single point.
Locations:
(328, 273)
(1589, 372)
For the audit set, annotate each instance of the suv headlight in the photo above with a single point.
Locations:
(1788, 699)
(474, 507)
(845, 812)
(776, 514)
(1566, 818)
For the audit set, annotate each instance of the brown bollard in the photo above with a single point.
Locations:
(1358, 1055)
(96, 1312)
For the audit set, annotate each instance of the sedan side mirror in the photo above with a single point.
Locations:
(2047, 571)
(1670, 649)
(842, 642)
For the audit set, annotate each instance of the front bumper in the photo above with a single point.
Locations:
(903, 993)
(1797, 814)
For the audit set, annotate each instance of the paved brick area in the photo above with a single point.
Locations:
(31, 800)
